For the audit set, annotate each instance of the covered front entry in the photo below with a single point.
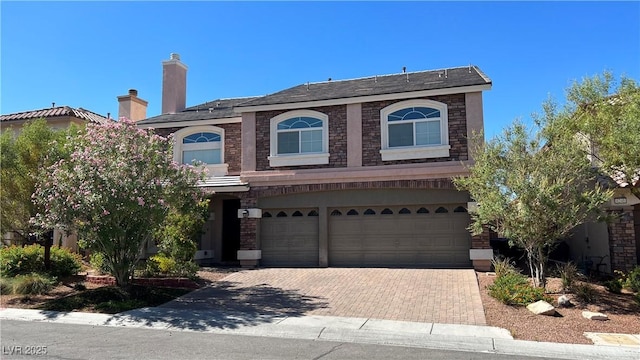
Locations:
(415, 236)
(289, 237)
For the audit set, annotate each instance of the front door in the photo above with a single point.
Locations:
(230, 229)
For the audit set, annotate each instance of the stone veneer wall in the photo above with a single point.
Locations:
(232, 144)
(622, 241)
(371, 140)
(337, 138)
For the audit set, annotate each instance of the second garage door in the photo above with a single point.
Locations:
(422, 236)
(289, 237)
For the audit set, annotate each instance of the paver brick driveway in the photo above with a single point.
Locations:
(422, 295)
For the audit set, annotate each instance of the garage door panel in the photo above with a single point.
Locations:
(409, 238)
(289, 240)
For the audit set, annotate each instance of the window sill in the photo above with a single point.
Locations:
(294, 160)
(408, 153)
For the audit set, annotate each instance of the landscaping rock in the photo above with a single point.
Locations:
(541, 308)
(564, 301)
(594, 316)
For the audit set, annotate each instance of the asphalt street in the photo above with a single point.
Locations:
(29, 340)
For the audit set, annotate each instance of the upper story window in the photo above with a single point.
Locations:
(203, 145)
(414, 129)
(299, 137)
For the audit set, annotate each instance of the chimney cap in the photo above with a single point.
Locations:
(174, 56)
(133, 92)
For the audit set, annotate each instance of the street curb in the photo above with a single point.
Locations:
(453, 337)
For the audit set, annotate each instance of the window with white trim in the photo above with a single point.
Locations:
(299, 137)
(202, 145)
(414, 129)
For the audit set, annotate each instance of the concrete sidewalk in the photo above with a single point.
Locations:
(329, 328)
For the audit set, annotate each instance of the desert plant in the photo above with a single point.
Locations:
(503, 266)
(79, 287)
(33, 284)
(96, 260)
(568, 273)
(6, 286)
(585, 293)
(614, 286)
(16, 260)
(633, 279)
(514, 289)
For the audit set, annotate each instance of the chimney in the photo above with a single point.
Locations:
(174, 85)
(131, 106)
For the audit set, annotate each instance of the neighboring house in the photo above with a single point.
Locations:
(58, 117)
(615, 245)
(337, 173)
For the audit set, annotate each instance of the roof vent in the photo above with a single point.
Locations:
(404, 69)
(174, 56)
(53, 104)
(210, 109)
(133, 92)
(307, 86)
(329, 79)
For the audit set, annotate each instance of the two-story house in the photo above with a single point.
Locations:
(336, 173)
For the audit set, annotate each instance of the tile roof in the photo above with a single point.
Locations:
(376, 85)
(79, 113)
(215, 109)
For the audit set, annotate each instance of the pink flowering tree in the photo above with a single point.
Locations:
(115, 190)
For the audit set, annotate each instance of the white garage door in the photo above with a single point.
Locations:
(423, 236)
(289, 237)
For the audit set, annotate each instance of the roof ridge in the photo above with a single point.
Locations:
(395, 74)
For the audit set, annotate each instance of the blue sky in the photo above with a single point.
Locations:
(85, 54)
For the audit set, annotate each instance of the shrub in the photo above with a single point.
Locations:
(568, 274)
(96, 260)
(633, 279)
(514, 289)
(162, 264)
(614, 286)
(33, 284)
(585, 293)
(636, 297)
(6, 286)
(16, 260)
(503, 266)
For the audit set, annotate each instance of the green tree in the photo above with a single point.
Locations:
(116, 189)
(531, 191)
(23, 159)
(605, 113)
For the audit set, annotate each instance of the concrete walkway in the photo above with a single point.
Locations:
(448, 296)
(328, 328)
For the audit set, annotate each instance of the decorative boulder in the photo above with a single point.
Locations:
(564, 301)
(541, 308)
(594, 316)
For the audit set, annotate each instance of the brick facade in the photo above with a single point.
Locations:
(622, 241)
(371, 138)
(337, 138)
(248, 227)
(232, 144)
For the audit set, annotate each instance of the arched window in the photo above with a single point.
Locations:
(203, 145)
(460, 209)
(299, 137)
(386, 211)
(404, 211)
(414, 129)
(352, 212)
(441, 210)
